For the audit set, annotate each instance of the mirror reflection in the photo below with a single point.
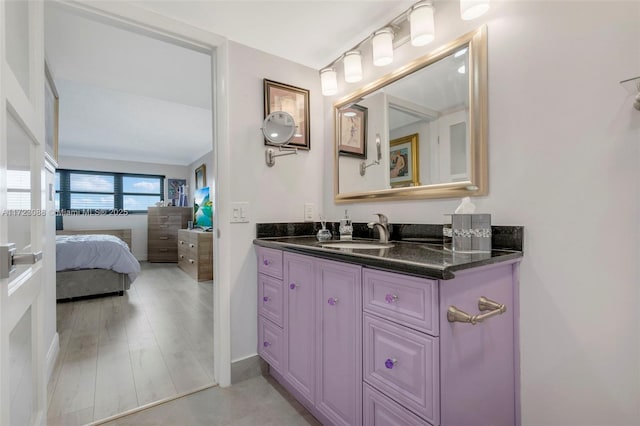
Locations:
(430, 122)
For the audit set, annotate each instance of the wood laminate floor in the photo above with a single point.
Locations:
(259, 401)
(122, 352)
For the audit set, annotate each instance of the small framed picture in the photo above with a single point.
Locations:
(51, 103)
(201, 177)
(295, 101)
(403, 161)
(352, 131)
(174, 190)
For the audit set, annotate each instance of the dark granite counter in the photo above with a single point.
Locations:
(415, 258)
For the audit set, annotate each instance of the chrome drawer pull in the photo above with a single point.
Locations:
(456, 315)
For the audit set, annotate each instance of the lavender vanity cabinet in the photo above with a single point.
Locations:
(362, 346)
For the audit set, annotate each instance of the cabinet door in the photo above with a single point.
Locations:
(299, 325)
(478, 369)
(339, 334)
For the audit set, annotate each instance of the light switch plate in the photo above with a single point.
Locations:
(240, 212)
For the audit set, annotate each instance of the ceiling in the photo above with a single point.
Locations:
(128, 96)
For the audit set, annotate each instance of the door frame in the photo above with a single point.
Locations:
(147, 22)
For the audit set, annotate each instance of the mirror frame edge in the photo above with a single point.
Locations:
(478, 185)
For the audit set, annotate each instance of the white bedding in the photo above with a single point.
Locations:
(95, 252)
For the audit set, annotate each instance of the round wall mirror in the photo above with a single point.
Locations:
(278, 128)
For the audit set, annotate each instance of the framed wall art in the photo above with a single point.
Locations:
(295, 101)
(403, 161)
(201, 176)
(352, 131)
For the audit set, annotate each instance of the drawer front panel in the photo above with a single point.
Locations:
(380, 410)
(403, 364)
(270, 262)
(270, 298)
(270, 343)
(165, 221)
(410, 301)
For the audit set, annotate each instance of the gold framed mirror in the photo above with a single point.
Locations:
(441, 100)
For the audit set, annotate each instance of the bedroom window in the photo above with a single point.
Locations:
(18, 189)
(86, 192)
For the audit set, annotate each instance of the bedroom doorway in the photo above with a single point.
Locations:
(166, 318)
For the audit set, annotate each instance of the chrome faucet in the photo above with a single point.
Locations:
(383, 227)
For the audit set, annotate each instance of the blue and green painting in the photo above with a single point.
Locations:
(202, 208)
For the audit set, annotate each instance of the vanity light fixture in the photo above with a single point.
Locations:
(352, 66)
(422, 23)
(382, 44)
(472, 9)
(329, 81)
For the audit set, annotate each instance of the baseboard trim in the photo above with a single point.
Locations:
(246, 368)
(52, 355)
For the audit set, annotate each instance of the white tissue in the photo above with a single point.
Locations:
(466, 206)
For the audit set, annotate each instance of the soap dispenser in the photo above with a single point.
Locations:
(346, 228)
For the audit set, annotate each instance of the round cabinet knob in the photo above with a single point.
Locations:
(292, 286)
(391, 298)
(332, 301)
(266, 344)
(390, 363)
(266, 298)
(266, 262)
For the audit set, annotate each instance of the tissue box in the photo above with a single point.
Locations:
(468, 233)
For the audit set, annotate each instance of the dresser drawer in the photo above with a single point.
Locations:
(270, 262)
(408, 300)
(404, 365)
(380, 410)
(270, 343)
(270, 298)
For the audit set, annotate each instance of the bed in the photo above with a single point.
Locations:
(94, 262)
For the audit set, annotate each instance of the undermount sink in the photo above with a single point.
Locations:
(360, 245)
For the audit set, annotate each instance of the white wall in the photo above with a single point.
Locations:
(275, 194)
(137, 222)
(564, 154)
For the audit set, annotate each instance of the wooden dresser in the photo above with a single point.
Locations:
(162, 232)
(195, 253)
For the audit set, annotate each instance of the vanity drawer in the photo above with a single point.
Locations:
(381, 410)
(403, 364)
(270, 262)
(270, 343)
(270, 298)
(411, 301)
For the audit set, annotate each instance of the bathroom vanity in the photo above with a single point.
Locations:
(365, 337)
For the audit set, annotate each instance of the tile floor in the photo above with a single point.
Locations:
(259, 401)
(122, 352)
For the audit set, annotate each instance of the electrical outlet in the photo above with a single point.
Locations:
(309, 212)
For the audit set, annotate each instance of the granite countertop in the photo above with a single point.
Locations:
(416, 258)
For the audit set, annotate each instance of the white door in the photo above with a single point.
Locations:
(22, 378)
